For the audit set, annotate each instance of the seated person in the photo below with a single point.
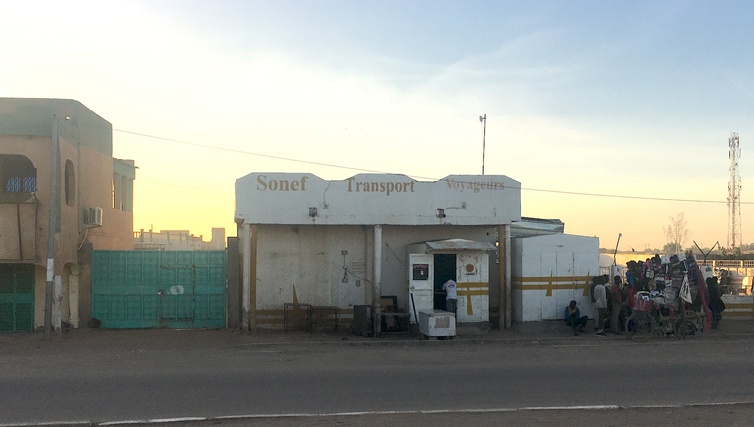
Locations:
(574, 319)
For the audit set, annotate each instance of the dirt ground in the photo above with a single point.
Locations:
(87, 340)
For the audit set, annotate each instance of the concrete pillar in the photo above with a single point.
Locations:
(508, 278)
(501, 277)
(377, 280)
(246, 252)
(73, 297)
(253, 278)
(57, 299)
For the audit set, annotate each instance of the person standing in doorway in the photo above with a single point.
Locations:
(616, 294)
(600, 303)
(451, 298)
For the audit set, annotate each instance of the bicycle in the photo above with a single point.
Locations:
(647, 320)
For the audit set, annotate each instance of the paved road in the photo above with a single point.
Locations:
(106, 384)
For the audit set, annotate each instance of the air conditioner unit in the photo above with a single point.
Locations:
(93, 217)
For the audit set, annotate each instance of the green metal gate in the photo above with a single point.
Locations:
(152, 289)
(16, 297)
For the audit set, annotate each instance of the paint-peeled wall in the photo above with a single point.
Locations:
(321, 266)
(317, 236)
(333, 265)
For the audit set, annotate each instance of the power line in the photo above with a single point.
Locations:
(573, 193)
(659, 199)
(249, 153)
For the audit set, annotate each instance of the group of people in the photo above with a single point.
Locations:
(575, 320)
(616, 300)
(606, 300)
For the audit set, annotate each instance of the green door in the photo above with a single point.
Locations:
(152, 289)
(16, 297)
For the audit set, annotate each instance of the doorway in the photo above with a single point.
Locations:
(445, 269)
(16, 297)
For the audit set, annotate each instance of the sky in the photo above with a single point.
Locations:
(621, 100)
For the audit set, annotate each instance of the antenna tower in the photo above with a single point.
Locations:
(734, 193)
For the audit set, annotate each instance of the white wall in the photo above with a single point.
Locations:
(558, 265)
(385, 199)
(310, 257)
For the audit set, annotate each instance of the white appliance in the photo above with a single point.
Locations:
(437, 323)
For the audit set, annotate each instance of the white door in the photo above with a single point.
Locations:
(421, 279)
(473, 287)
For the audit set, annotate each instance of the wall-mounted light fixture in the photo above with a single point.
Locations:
(441, 213)
(312, 212)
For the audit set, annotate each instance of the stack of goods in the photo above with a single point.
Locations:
(662, 281)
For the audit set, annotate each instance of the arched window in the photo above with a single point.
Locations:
(18, 178)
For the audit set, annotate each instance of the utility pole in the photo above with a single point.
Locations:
(483, 119)
(51, 227)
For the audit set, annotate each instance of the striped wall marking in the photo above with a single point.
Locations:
(739, 310)
(734, 306)
(464, 289)
(343, 311)
(741, 314)
(277, 317)
(553, 282)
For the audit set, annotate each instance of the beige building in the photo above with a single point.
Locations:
(178, 240)
(92, 203)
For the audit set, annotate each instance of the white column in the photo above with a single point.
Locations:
(377, 279)
(246, 251)
(508, 277)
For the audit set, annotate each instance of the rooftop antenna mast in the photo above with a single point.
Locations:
(483, 119)
(734, 193)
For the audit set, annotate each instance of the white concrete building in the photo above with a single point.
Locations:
(361, 241)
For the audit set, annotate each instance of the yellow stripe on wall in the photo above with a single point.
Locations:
(553, 282)
(739, 310)
(739, 306)
(464, 290)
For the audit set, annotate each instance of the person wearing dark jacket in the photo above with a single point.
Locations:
(574, 319)
(716, 304)
(616, 294)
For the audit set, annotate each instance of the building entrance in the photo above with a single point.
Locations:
(445, 269)
(16, 297)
